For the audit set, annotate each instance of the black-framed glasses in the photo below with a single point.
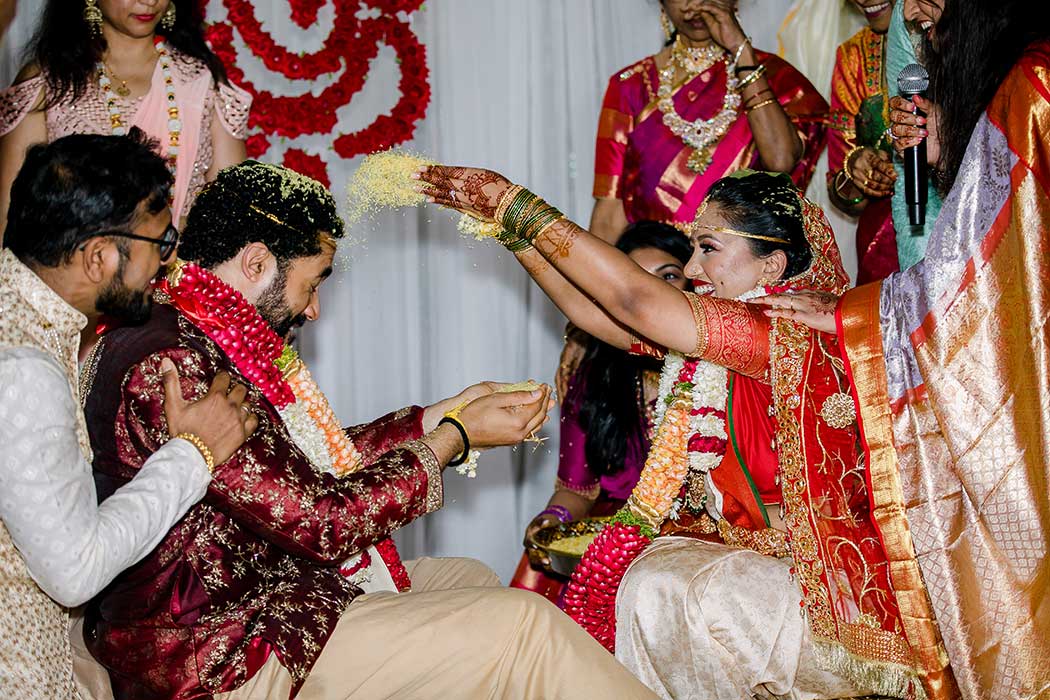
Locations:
(167, 242)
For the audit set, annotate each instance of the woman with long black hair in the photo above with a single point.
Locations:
(606, 415)
(103, 66)
(950, 356)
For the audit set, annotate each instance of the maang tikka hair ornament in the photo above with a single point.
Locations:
(167, 22)
(93, 16)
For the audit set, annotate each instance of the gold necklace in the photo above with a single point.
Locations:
(696, 60)
(123, 90)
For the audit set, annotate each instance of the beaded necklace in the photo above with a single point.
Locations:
(119, 127)
(701, 134)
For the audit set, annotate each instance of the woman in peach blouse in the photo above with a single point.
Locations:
(103, 66)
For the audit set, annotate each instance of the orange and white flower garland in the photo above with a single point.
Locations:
(691, 436)
(259, 354)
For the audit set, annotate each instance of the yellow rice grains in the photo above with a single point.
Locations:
(384, 180)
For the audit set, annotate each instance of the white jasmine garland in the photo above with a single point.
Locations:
(307, 436)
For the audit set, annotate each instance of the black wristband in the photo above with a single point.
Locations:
(743, 69)
(459, 459)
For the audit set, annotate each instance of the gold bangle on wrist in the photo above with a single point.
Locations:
(508, 197)
(752, 77)
(209, 460)
(760, 105)
(845, 162)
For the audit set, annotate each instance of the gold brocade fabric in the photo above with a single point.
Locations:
(35, 656)
(955, 403)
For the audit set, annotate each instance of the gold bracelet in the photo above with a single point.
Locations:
(752, 77)
(845, 162)
(505, 201)
(760, 105)
(209, 460)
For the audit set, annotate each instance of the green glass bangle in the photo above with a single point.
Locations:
(518, 246)
(521, 200)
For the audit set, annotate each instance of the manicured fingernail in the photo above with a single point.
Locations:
(923, 132)
(922, 120)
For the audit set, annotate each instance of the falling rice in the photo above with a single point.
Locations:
(384, 180)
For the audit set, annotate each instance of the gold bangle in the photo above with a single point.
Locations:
(752, 77)
(209, 460)
(760, 105)
(845, 162)
(508, 197)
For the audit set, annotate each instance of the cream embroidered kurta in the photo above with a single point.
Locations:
(58, 546)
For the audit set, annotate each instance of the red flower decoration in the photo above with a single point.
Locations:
(307, 164)
(304, 12)
(388, 551)
(349, 48)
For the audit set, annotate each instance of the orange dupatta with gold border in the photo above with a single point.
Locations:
(950, 361)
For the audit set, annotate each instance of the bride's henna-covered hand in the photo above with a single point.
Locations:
(813, 309)
(474, 191)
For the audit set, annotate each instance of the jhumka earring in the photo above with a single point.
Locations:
(665, 23)
(93, 16)
(167, 22)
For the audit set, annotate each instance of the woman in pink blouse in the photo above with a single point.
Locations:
(103, 66)
(605, 415)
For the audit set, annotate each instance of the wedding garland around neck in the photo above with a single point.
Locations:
(703, 134)
(691, 439)
(262, 356)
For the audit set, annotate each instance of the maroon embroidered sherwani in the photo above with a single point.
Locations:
(253, 568)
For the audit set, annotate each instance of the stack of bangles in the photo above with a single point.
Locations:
(560, 512)
(524, 217)
(756, 101)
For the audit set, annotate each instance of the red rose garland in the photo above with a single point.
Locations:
(304, 12)
(351, 45)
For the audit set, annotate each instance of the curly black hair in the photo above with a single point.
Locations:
(766, 204)
(66, 51)
(256, 202)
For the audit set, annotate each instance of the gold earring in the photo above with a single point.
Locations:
(763, 282)
(93, 16)
(167, 22)
(665, 23)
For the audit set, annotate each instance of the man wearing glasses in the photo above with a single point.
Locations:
(88, 229)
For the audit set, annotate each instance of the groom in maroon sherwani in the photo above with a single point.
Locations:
(257, 591)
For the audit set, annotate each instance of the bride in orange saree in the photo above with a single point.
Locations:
(756, 458)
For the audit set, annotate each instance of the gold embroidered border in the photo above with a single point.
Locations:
(435, 485)
(768, 541)
(589, 492)
(789, 347)
(700, 321)
(862, 350)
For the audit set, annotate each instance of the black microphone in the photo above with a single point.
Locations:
(914, 80)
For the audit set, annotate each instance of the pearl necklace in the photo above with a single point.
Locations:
(118, 127)
(702, 134)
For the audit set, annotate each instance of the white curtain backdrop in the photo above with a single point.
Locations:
(416, 312)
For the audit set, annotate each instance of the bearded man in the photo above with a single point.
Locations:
(88, 229)
(257, 592)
